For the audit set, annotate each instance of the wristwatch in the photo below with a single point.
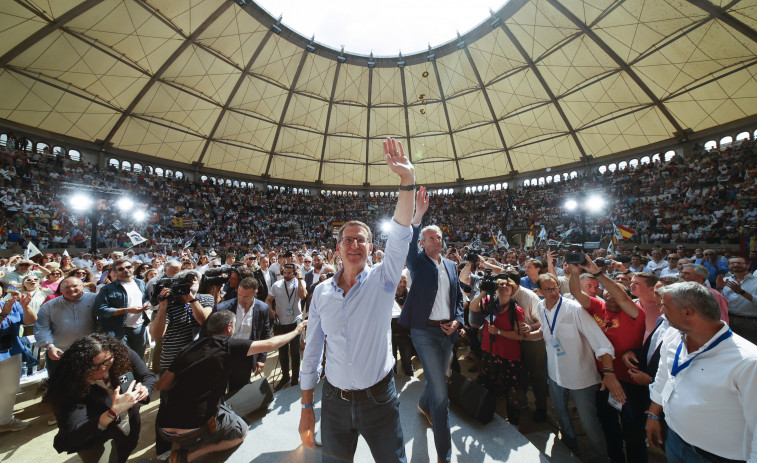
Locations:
(193, 300)
(499, 333)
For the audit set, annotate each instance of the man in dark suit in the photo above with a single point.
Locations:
(433, 311)
(252, 323)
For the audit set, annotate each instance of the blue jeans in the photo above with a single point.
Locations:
(434, 350)
(678, 450)
(376, 418)
(136, 339)
(586, 403)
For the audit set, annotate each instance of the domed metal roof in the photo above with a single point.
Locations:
(541, 83)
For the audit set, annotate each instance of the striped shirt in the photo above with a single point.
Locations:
(181, 327)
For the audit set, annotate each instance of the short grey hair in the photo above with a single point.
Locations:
(431, 227)
(187, 272)
(699, 270)
(172, 263)
(693, 295)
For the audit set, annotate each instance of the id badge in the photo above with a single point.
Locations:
(557, 346)
(290, 310)
(614, 403)
(667, 391)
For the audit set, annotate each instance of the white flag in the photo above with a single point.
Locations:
(65, 253)
(31, 251)
(117, 224)
(136, 238)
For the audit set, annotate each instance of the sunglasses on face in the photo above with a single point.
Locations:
(31, 280)
(80, 273)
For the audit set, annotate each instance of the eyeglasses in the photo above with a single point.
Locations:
(215, 266)
(549, 290)
(125, 267)
(348, 240)
(80, 272)
(672, 258)
(502, 285)
(55, 273)
(308, 261)
(105, 363)
(31, 280)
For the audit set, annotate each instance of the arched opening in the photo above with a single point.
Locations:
(573, 174)
(612, 167)
(602, 169)
(149, 170)
(3, 139)
(541, 181)
(622, 165)
(169, 173)
(669, 155)
(565, 176)
(656, 158)
(726, 141)
(41, 147)
(549, 179)
(645, 160)
(633, 163)
(126, 165)
(742, 136)
(136, 168)
(556, 178)
(179, 174)
(711, 145)
(204, 179)
(159, 171)
(112, 162)
(74, 155)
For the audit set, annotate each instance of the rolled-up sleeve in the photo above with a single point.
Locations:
(310, 370)
(597, 339)
(395, 254)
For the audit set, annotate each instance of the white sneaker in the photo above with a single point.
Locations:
(14, 425)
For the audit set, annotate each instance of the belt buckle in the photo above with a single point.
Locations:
(342, 393)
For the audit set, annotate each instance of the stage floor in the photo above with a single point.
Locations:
(273, 435)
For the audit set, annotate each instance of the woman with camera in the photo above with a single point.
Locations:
(95, 393)
(500, 347)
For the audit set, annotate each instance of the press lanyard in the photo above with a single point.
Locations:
(294, 289)
(679, 368)
(554, 319)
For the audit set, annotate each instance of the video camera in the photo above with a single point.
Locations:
(575, 254)
(489, 281)
(216, 276)
(472, 254)
(179, 285)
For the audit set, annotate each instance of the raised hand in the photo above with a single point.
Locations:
(397, 161)
(421, 204)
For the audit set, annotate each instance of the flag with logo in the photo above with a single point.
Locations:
(31, 251)
(136, 238)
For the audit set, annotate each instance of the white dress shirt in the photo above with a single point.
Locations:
(581, 339)
(529, 302)
(440, 309)
(713, 403)
(243, 328)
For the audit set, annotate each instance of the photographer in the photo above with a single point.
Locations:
(96, 418)
(500, 348)
(181, 312)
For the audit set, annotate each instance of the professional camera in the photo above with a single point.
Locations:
(216, 276)
(180, 285)
(489, 281)
(600, 262)
(471, 254)
(575, 254)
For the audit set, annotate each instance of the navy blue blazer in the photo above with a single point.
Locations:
(111, 298)
(425, 277)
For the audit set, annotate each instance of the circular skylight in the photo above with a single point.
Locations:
(384, 28)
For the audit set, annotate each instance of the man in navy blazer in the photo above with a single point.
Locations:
(252, 323)
(433, 311)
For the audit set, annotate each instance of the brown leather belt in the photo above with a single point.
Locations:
(436, 322)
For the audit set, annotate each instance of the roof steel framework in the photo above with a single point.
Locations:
(541, 83)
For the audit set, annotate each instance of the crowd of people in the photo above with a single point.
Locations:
(615, 331)
(709, 197)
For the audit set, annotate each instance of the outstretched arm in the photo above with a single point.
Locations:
(401, 165)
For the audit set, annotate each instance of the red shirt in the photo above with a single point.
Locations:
(624, 334)
(503, 347)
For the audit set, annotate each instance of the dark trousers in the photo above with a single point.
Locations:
(292, 348)
(402, 343)
(627, 426)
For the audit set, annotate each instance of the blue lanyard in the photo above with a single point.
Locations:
(554, 319)
(294, 289)
(679, 368)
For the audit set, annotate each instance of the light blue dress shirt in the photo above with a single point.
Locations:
(358, 326)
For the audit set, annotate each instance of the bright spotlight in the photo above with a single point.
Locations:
(385, 226)
(81, 202)
(595, 203)
(571, 205)
(139, 215)
(125, 204)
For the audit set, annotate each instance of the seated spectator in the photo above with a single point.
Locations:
(96, 419)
